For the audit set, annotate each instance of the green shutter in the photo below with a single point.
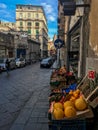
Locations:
(37, 32)
(29, 31)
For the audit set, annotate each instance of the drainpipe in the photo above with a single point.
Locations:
(68, 44)
(81, 47)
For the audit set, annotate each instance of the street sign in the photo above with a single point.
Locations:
(58, 43)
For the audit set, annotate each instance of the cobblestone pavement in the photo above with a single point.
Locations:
(24, 99)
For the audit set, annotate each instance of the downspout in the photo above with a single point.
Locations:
(68, 44)
(81, 49)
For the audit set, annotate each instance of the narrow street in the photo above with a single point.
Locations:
(24, 98)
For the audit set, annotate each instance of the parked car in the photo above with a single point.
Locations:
(20, 62)
(46, 63)
(0, 69)
(12, 63)
(28, 61)
(3, 63)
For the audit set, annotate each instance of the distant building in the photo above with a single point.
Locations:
(51, 47)
(6, 44)
(6, 26)
(16, 43)
(32, 19)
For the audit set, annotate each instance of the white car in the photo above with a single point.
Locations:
(20, 62)
(2, 64)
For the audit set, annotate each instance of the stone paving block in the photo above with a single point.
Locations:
(3, 100)
(3, 109)
(39, 109)
(10, 96)
(33, 120)
(45, 127)
(43, 120)
(35, 114)
(5, 119)
(23, 116)
(17, 127)
(42, 114)
(41, 106)
(39, 126)
(31, 127)
(17, 102)
(11, 107)
(6, 127)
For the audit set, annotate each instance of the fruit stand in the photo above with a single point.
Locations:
(71, 109)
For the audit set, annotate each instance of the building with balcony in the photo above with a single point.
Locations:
(32, 19)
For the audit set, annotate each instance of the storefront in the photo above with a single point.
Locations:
(73, 47)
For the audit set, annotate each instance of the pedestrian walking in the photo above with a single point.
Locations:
(7, 66)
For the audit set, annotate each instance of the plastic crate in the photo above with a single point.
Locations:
(67, 124)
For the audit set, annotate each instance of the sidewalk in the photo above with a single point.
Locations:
(34, 116)
(54, 66)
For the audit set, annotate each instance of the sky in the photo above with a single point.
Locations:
(8, 8)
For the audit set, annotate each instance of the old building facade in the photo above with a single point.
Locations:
(81, 37)
(17, 43)
(6, 45)
(63, 27)
(32, 19)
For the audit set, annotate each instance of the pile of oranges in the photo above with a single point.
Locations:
(74, 94)
(69, 107)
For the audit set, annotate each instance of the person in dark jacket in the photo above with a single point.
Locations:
(7, 65)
